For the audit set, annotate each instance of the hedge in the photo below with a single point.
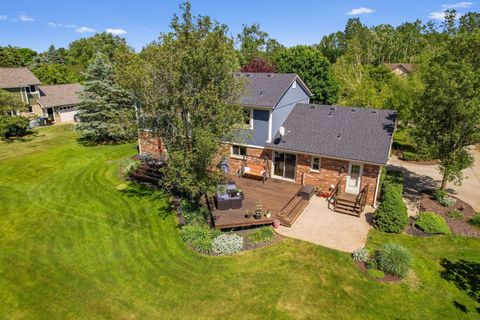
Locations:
(391, 216)
(432, 223)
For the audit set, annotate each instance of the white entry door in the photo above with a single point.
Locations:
(354, 178)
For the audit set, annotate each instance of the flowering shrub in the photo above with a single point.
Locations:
(360, 255)
(226, 244)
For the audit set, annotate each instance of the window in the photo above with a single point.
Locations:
(247, 116)
(239, 151)
(33, 89)
(30, 109)
(315, 165)
(27, 89)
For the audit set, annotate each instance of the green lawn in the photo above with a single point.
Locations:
(74, 247)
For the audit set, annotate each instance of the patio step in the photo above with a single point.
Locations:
(292, 211)
(346, 204)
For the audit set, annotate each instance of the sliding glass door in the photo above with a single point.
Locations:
(284, 165)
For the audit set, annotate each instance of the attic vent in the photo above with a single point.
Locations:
(248, 75)
(353, 110)
(332, 108)
(269, 75)
(338, 136)
(312, 106)
(261, 93)
(374, 111)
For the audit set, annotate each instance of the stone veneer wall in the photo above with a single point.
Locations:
(330, 170)
(150, 143)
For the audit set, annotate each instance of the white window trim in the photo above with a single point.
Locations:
(319, 164)
(294, 84)
(272, 167)
(237, 156)
(270, 113)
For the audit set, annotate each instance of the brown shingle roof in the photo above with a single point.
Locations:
(59, 94)
(16, 77)
(408, 67)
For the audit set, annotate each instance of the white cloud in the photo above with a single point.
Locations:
(438, 15)
(84, 30)
(3, 17)
(115, 31)
(25, 18)
(72, 26)
(53, 24)
(458, 5)
(358, 11)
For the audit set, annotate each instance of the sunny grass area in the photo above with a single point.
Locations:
(73, 246)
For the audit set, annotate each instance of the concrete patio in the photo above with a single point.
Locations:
(320, 225)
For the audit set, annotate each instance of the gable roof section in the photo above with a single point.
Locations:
(340, 132)
(266, 89)
(16, 78)
(59, 94)
(407, 67)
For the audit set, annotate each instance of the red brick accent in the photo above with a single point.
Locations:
(254, 160)
(150, 143)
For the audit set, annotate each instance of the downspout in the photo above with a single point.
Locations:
(376, 187)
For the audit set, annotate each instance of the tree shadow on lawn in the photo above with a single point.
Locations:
(141, 191)
(465, 275)
(29, 136)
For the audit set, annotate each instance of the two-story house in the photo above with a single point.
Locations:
(54, 102)
(285, 137)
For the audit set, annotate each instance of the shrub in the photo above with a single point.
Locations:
(409, 156)
(390, 177)
(447, 202)
(13, 126)
(442, 197)
(199, 237)
(475, 220)
(394, 259)
(194, 213)
(391, 216)
(360, 255)
(455, 214)
(263, 234)
(375, 273)
(372, 263)
(227, 243)
(131, 166)
(439, 194)
(432, 223)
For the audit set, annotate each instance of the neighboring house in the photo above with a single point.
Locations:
(23, 83)
(58, 102)
(321, 145)
(401, 69)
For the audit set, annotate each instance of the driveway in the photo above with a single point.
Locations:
(420, 177)
(320, 225)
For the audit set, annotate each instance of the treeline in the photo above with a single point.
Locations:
(62, 65)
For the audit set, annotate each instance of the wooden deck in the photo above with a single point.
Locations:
(273, 195)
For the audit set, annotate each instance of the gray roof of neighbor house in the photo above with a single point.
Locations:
(59, 94)
(16, 78)
(266, 89)
(408, 67)
(340, 132)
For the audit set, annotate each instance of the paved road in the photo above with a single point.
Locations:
(420, 177)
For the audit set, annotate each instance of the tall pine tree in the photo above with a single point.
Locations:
(106, 110)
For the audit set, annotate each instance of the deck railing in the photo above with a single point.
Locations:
(334, 193)
(361, 199)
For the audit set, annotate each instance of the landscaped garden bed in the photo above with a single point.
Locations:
(457, 216)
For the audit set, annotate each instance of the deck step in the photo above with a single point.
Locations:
(292, 211)
(349, 212)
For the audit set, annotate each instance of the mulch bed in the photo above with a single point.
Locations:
(459, 226)
(387, 278)
(430, 162)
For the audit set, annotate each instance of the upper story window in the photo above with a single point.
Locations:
(315, 164)
(239, 151)
(294, 84)
(247, 116)
(30, 89)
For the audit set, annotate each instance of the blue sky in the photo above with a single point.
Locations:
(37, 24)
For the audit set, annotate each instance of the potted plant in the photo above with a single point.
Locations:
(222, 189)
(249, 214)
(268, 214)
(258, 213)
(238, 192)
